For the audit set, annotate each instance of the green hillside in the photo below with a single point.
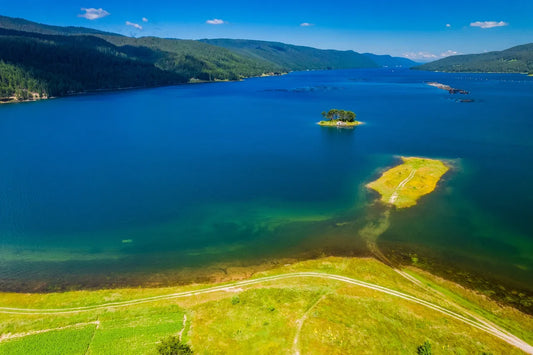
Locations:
(518, 59)
(192, 59)
(61, 65)
(292, 57)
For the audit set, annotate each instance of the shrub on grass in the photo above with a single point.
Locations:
(235, 300)
(173, 346)
(424, 349)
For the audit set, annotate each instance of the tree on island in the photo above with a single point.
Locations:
(339, 115)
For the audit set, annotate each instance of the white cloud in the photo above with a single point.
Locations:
(426, 56)
(306, 24)
(136, 25)
(93, 14)
(145, 19)
(488, 24)
(420, 55)
(448, 25)
(215, 21)
(448, 53)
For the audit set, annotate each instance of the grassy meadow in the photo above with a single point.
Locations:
(309, 315)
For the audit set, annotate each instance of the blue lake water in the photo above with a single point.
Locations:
(113, 188)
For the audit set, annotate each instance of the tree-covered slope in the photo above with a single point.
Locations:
(192, 59)
(67, 64)
(291, 57)
(389, 61)
(19, 24)
(518, 59)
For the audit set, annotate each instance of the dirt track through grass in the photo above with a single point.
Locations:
(475, 322)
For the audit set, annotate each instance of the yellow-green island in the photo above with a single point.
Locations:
(404, 184)
(335, 123)
(325, 306)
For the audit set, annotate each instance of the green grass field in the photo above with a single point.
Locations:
(403, 185)
(311, 315)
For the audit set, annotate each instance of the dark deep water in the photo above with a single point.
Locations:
(97, 188)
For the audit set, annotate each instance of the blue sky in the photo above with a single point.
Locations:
(421, 30)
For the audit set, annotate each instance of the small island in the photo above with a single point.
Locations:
(404, 184)
(339, 118)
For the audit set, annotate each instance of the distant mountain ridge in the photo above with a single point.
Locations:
(291, 57)
(19, 24)
(303, 58)
(517, 59)
(38, 60)
(385, 60)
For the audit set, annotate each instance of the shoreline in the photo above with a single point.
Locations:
(269, 295)
(191, 81)
(399, 257)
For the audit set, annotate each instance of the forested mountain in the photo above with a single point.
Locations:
(389, 61)
(192, 59)
(291, 57)
(60, 65)
(517, 59)
(37, 64)
(39, 60)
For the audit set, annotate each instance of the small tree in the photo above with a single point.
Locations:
(339, 115)
(173, 346)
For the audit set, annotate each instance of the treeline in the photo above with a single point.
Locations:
(18, 83)
(339, 115)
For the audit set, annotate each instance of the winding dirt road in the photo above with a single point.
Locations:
(400, 186)
(476, 322)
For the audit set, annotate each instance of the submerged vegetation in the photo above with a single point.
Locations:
(404, 184)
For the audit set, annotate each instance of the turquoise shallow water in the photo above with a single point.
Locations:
(97, 188)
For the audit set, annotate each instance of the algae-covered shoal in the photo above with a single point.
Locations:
(325, 306)
(404, 184)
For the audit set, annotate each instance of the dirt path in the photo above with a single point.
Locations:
(300, 323)
(180, 334)
(476, 322)
(9, 336)
(394, 195)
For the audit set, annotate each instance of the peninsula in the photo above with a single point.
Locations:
(339, 118)
(404, 184)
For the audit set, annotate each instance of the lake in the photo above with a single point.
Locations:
(147, 186)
